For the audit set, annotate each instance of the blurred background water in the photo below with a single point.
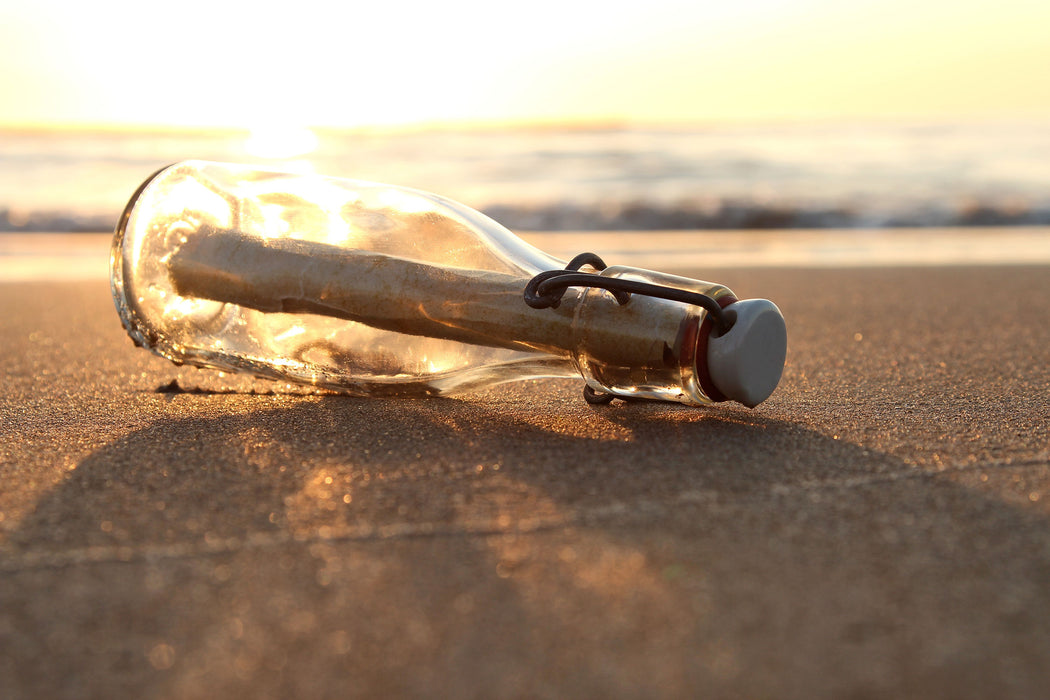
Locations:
(818, 174)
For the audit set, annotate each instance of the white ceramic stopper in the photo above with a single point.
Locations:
(747, 361)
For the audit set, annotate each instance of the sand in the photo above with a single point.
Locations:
(878, 528)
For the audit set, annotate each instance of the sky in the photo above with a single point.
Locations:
(315, 63)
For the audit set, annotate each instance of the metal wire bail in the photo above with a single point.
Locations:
(545, 291)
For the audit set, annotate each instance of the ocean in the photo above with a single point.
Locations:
(610, 178)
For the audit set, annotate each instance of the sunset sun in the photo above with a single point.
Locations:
(280, 141)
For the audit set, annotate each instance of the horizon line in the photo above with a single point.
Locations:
(612, 123)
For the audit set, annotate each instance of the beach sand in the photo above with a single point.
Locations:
(880, 527)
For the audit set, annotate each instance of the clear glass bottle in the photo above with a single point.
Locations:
(375, 289)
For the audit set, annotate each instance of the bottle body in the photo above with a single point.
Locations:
(374, 289)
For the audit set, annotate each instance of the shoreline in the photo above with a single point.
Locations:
(46, 256)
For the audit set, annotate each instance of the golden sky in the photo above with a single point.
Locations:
(325, 63)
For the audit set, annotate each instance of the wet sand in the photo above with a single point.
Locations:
(879, 528)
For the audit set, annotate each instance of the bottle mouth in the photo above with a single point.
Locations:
(708, 330)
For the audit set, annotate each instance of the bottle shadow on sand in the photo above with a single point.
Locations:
(378, 546)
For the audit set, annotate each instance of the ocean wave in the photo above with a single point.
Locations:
(642, 216)
(820, 175)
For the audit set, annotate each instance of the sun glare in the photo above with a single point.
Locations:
(278, 142)
(350, 65)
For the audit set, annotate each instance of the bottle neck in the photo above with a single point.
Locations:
(647, 348)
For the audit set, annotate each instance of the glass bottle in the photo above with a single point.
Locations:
(374, 289)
